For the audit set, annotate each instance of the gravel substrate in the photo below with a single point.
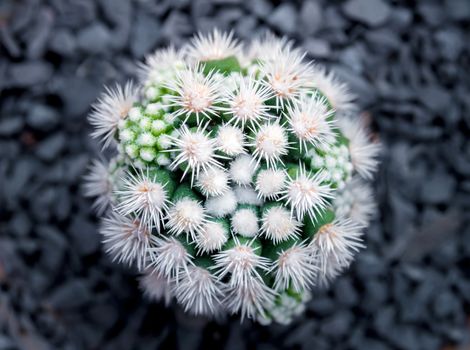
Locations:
(408, 61)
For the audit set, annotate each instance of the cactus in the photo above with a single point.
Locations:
(240, 180)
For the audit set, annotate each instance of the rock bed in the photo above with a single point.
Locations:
(409, 63)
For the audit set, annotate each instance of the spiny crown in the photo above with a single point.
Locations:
(240, 164)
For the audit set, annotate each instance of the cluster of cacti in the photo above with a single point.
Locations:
(238, 183)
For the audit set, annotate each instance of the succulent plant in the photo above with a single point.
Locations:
(240, 177)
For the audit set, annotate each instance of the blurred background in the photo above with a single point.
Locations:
(409, 63)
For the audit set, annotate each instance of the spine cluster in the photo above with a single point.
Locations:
(240, 180)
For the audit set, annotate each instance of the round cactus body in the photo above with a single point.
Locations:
(240, 177)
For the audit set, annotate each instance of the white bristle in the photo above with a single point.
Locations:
(199, 292)
(334, 247)
(186, 216)
(112, 106)
(363, 152)
(295, 267)
(245, 223)
(213, 182)
(143, 197)
(195, 150)
(169, 258)
(278, 224)
(247, 103)
(126, 239)
(230, 140)
(98, 185)
(195, 94)
(247, 195)
(211, 237)
(242, 169)
(215, 45)
(309, 122)
(222, 205)
(156, 287)
(270, 183)
(270, 144)
(306, 193)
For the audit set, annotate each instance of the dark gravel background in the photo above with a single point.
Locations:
(408, 61)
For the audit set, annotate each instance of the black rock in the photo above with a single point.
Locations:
(74, 168)
(144, 35)
(77, 95)
(369, 265)
(345, 293)
(52, 147)
(404, 337)
(432, 13)
(261, 8)
(246, 26)
(317, 48)
(42, 204)
(42, 117)
(357, 83)
(175, 27)
(63, 42)
(63, 204)
(284, 18)
(20, 224)
(72, 294)
(84, 236)
(400, 19)
(439, 187)
(451, 42)
(458, 10)
(29, 73)
(94, 39)
(53, 246)
(446, 305)
(376, 293)
(372, 13)
(310, 17)
(39, 33)
(337, 325)
(118, 12)
(104, 315)
(11, 125)
(9, 42)
(322, 306)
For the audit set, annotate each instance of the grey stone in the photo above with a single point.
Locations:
(432, 13)
(451, 42)
(94, 39)
(20, 224)
(30, 73)
(72, 294)
(84, 236)
(11, 125)
(51, 148)
(145, 35)
(284, 18)
(9, 42)
(42, 117)
(317, 48)
(372, 13)
(439, 187)
(118, 12)
(337, 325)
(63, 42)
(458, 10)
(261, 8)
(310, 17)
(39, 33)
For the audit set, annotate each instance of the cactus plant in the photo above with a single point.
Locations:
(240, 180)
